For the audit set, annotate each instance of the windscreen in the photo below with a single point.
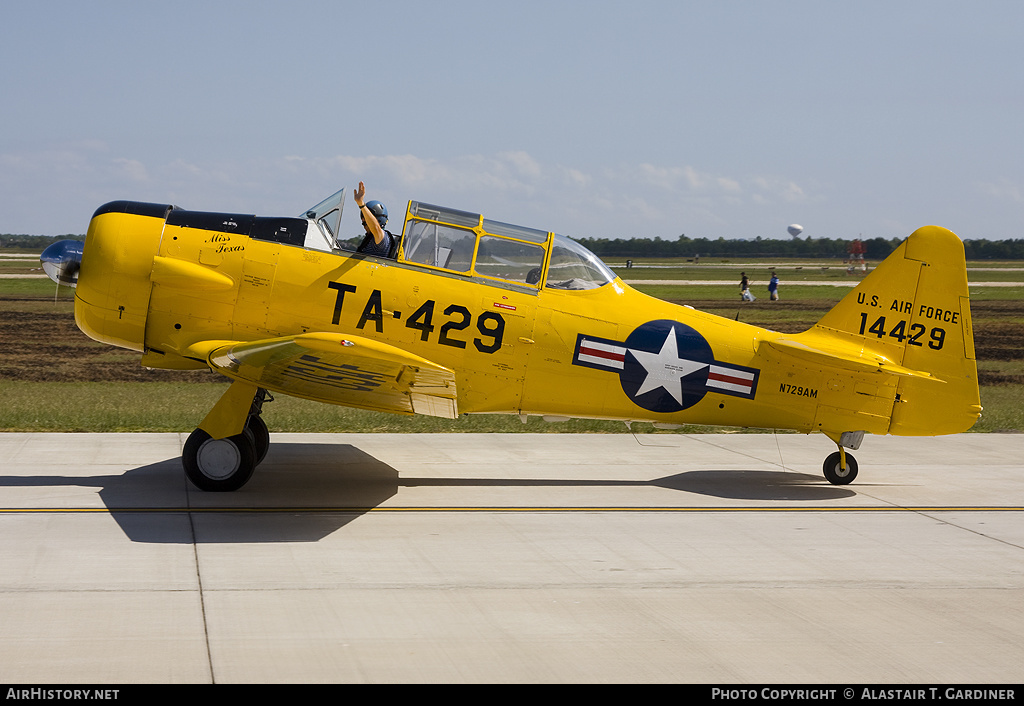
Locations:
(574, 267)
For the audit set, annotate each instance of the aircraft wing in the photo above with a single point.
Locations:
(339, 369)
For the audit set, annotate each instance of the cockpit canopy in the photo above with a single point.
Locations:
(468, 243)
(459, 242)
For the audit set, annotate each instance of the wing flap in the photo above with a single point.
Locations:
(346, 370)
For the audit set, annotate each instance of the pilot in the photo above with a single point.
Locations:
(377, 241)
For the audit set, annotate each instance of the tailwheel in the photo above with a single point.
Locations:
(220, 464)
(834, 469)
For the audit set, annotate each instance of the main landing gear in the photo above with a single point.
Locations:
(227, 463)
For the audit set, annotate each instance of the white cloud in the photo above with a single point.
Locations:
(729, 185)
(676, 178)
(1004, 190)
(523, 162)
(601, 201)
(776, 187)
(132, 169)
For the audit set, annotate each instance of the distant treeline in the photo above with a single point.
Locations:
(683, 247)
(874, 248)
(35, 242)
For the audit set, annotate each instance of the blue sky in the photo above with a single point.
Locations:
(594, 119)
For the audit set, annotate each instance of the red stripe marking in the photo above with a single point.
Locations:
(597, 353)
(721, 377)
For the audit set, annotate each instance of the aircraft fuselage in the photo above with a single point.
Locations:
(610, 352)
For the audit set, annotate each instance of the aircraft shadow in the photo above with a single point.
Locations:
(155, 503)
(305, 492)
(728, 484)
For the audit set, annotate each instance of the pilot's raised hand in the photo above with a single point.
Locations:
(360, 193)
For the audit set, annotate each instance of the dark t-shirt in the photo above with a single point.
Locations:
(369, 245)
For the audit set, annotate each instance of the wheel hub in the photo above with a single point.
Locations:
(218, 458)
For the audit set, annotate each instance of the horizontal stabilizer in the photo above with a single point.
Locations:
(846, 359)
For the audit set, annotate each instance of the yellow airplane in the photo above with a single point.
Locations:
(478, 316)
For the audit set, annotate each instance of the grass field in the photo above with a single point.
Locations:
(53, 378)
(179, 406)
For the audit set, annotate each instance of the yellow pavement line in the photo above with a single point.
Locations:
(508, 508)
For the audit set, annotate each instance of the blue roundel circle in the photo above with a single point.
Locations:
(666, 366)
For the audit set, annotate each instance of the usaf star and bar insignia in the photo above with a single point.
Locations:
(665, 366)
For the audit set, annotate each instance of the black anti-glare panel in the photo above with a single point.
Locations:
(136, 208)
(288, 231)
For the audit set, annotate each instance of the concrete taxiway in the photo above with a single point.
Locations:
(514, 558)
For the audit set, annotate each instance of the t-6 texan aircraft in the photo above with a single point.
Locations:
(471, 316)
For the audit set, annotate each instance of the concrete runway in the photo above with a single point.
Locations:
(720, 559)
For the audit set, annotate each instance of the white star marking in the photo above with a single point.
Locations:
(666, 369)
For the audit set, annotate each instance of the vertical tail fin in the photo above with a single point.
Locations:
(914, 310)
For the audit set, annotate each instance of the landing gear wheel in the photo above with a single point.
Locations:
(834, 472)
(260, 436)
(218, 465)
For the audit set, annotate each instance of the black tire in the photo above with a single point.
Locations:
(260, 436)
(834, 472)
(218, 465)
